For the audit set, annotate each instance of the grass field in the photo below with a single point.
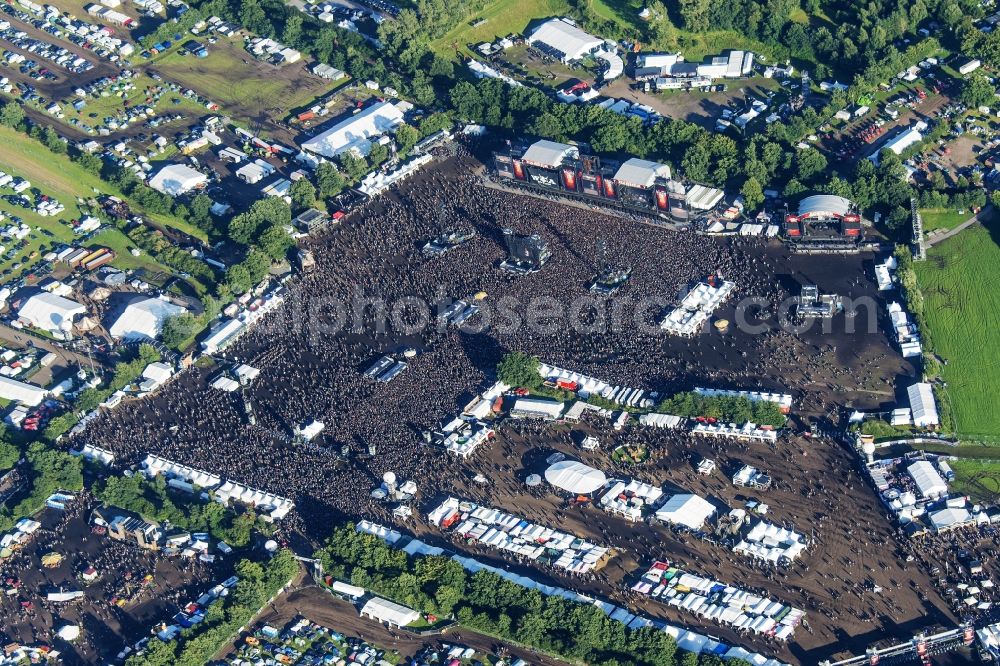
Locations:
(246, 89)
(58, 177)
(980, 479)
(962, 305)
(504, 17)
(56, 173)
(942, 218)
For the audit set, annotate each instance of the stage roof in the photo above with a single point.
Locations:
(641, 173)
(825, 203)
(549, 153)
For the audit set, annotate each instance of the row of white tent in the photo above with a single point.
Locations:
(685, 639)
(504, 531)
(695, 308)
(622, 395)
(225, 492)
(718, 602)
(661, 420)
(96, 454)
(747, 431)
(767, 541)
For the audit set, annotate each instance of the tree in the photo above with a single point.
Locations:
(694, 14)
(11, 114)
(753, 194)
(406, 137)
(810, 163)
(978, 91)
(200, 213)
(9, 453)
(518, 369)
(331, 182)
(293, 28)
(303, 194)
(378, 154)
(355, 167)
(275, 242)
(238, 279)
(179, 328)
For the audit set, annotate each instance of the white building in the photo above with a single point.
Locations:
(898, 144)
(222, 335)
(357, 132)
(155, 375)
(143, 319)
(550, 154)
(575, 477)
(535, 408)
(929, 482)
(564, 40)
(254, 172)
(641, 173)
(50, 313)
(690, 511)
(923, 405)
(177, 179)
(389, 612)
(19, 392)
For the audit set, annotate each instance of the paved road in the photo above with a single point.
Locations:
(985, 214)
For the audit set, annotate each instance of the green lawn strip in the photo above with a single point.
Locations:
(962, 310)
(58, 176)
(980, 479)
(942, 218)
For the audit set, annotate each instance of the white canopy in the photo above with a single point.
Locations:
(177, 179)
(389, 612)
(50, 312)
(688, 510)
(575, 477)
(143, 319)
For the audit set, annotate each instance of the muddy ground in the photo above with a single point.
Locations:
(311, 369)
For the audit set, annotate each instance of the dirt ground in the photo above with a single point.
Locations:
(106, 628)
(701, 108)
(323, 608)
(310, 373)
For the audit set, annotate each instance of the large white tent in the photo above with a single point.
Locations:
(929, 482)
(50, 312)
(564, 39)
(922, 405)
(389, 612)
(357, 132)
(26, 394)
(688, 510)
(143, 319)
(177, 179)
(575, 477)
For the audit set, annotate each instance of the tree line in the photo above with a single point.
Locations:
(493, 605)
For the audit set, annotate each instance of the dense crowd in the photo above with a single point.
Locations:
(313, 352)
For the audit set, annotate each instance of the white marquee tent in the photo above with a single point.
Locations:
(688, 510)
(575, 477)
(389, 612)
(143, 319)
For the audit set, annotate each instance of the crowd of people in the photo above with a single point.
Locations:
(312, 352)
(130, 590)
